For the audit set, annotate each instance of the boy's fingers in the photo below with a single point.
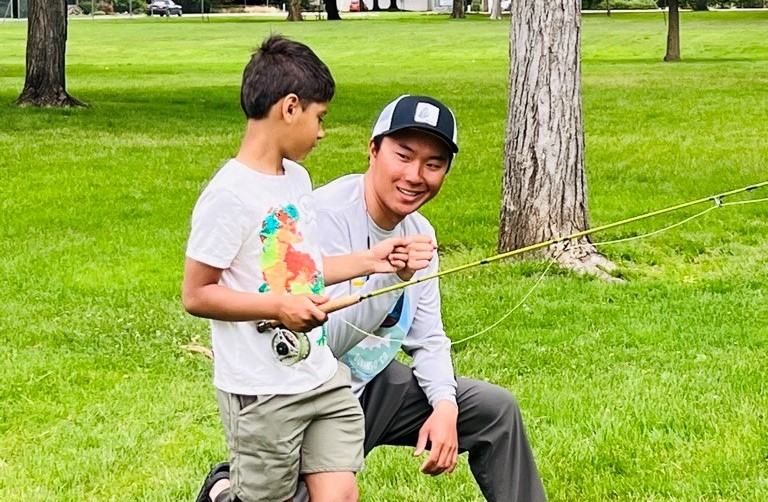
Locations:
(398, 256)
(397, 264)
(318, 299)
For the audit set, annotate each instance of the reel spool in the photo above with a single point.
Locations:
(288, 347)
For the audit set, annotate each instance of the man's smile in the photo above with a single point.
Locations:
(410, 193)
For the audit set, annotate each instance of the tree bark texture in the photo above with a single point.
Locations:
(544, 192)
(45, 82)
(294, 11)
(458, 10)
(673, 32)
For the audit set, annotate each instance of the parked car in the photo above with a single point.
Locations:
(163, 8)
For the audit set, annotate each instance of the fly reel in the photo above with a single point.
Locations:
(288, 347)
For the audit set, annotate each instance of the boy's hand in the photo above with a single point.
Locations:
(420, 251)
(404, 255)
(389, 255)
(300, 312)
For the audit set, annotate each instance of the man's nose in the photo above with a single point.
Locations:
(412, 172)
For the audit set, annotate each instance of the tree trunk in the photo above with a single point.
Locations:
(700, 5)
(458, 10)
(45, 82)
(496, 9)
(376, 6)
(393, 5)
(673, 32)
(332, 10)
(544, 193)
(294, 11)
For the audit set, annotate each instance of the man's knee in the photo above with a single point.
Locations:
(494, 404)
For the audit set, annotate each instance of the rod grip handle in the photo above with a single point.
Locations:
(339, 303)
(327, 307)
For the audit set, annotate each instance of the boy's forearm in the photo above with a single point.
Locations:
(342, 268)
(214, 301)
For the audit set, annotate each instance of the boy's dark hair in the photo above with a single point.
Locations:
(281, 67)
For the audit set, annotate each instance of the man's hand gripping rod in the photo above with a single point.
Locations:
(348, 301)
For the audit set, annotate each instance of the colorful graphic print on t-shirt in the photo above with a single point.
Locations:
(284, 268)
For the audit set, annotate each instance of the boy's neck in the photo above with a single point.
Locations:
(260, 150)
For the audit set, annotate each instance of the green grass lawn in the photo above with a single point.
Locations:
(651, 390)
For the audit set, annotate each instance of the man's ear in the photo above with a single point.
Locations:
(372, 150)
(372, 153)
(290, 106)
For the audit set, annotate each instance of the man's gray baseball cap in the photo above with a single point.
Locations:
(418, 112)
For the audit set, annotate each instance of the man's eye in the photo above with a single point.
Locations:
(401, 155)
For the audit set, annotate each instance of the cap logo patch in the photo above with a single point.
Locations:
(427, 113)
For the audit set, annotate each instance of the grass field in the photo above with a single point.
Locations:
(651, 390)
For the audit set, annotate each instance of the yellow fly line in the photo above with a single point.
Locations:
(346, 301)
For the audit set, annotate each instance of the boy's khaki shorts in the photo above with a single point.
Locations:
(273, 438)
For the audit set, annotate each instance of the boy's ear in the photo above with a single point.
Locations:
(290, 105)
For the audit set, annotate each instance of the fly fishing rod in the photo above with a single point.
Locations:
(348, 301)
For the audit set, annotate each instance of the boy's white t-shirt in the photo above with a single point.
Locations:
(261, 230)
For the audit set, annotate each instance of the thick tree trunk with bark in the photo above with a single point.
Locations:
(458, 10)
(332, 10)
(294, 11)
(544, 187)
(673, 32)
(45, 82)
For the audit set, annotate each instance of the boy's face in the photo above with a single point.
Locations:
(407, 171)
(306, 130)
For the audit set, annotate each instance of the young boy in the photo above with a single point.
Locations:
(253, 254)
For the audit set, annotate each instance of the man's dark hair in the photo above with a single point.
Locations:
(281, 67)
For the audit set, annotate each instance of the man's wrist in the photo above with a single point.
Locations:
(446, 403)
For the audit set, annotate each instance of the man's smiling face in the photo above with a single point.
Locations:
(404, 173)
